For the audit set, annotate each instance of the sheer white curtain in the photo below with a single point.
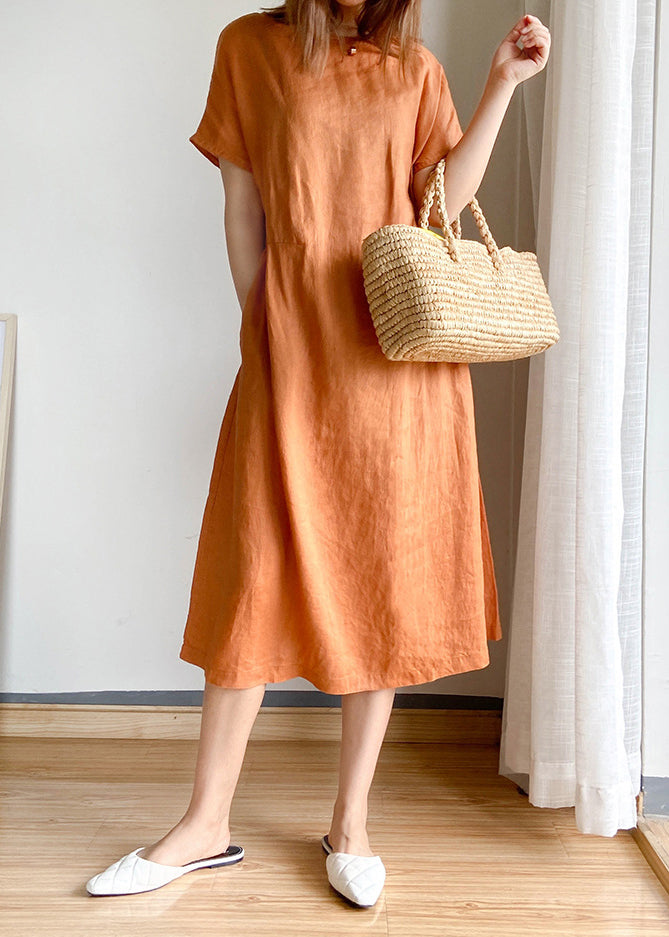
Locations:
(571, 729)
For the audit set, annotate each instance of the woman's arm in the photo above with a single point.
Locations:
(467, 162)
(244, 223)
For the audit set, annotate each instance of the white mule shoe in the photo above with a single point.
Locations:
(132, 873)
(358, 878)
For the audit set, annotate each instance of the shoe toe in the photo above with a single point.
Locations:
(358, 878)
(131, 874)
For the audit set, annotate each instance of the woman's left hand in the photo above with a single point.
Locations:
(515, 65)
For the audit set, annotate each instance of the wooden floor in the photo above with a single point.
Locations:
(465, 852)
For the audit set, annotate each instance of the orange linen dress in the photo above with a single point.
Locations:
(344, 536)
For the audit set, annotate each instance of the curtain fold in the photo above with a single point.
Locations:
(571, 723)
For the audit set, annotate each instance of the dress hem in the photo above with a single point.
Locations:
(278, 673)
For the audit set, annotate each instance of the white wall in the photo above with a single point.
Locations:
(114, 259)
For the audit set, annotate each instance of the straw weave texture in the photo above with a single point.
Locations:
(436, 298)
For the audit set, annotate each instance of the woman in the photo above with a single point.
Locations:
(344, 538)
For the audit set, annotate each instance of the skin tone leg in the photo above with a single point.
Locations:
(364, 721)
(228, 715)
(227, 719)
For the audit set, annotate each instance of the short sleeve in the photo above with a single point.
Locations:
(437, 127)
(219, 133)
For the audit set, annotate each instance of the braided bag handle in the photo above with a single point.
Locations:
(435, 187)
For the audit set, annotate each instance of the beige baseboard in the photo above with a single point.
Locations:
(461, 726)
(652, 837)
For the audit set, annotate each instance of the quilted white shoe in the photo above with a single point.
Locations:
(358, 878)
(132, 873)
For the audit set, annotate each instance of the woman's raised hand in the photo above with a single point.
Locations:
(509, 63)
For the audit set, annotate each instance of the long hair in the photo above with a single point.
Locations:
(392, 25)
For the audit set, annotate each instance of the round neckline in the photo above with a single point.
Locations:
(365, 45)
(333, 35)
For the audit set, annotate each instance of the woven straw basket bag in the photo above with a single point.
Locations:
(435, 298)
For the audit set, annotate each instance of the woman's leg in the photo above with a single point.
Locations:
(228, 715)
(364, 721)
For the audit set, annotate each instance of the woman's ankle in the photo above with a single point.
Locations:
(349, 816)
(207, 825)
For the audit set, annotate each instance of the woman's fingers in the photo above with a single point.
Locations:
(533, 32)
(516, 62)
(515, 31)
(528, 26)
(535, 35)
(530, 20)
